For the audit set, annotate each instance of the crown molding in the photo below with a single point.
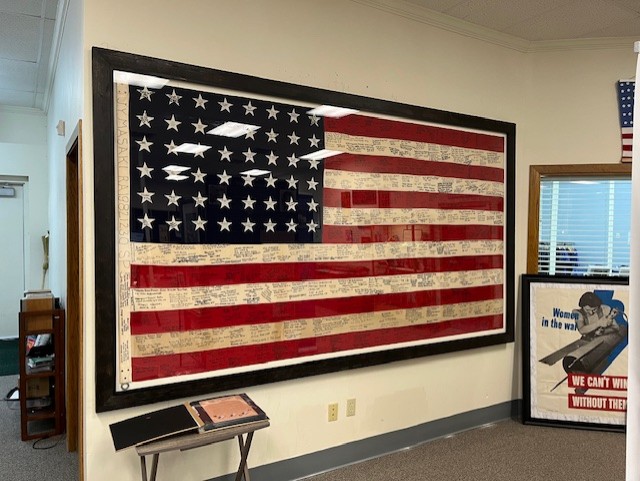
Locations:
(583, 44)
(58, 31)
(22, 110)
(439, 20)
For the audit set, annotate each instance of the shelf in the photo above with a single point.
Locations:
(49, 420)
(44, 414)
(41, 374)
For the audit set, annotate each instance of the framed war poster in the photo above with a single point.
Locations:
(575, 334)
(250, 231)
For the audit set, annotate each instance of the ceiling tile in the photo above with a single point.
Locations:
(498, 14)
(626, 28)
(631, 5)
(437, 5)
(17, 99)
(544, 19)
(19, 37)
(25, 7)
(38, 101)
(17, 75)
(43, 65)
(575, 19)
(51, 9)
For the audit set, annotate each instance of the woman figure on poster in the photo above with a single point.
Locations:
(603, 329)
(603, 336)
(593, 318)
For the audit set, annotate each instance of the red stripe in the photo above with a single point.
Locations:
(363, 234)
(149, 276)
(385, 199)
(397, 165)
(157, 367)
(391, 129)
(155, 322)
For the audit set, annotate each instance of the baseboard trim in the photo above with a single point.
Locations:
(329, 459)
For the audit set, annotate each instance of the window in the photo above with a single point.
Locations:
(580, 220)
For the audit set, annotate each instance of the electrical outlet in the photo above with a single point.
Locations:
(351, 407)
(333, 412)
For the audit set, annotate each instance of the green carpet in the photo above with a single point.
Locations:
(8, 357)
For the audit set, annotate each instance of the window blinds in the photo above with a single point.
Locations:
(586, 223)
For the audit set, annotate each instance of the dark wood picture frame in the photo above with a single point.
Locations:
(104, 63)
(564, 171)
(575, 358)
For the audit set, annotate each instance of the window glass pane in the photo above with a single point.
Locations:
(586, 222)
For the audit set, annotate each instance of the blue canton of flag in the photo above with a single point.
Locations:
(626, 91)
(222, 169)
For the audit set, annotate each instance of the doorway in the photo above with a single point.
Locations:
(12, 281)
(74, 301)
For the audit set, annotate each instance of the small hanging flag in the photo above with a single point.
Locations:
(626, 89)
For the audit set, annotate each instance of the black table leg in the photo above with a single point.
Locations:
(143, 467)
(154, 467)
(243, 470)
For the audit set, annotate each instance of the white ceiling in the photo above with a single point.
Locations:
(26, 33)
(28, 28)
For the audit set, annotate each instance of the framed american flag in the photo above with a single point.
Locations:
(250, 231)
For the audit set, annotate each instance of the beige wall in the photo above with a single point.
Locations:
(572, 108)
(349, 47)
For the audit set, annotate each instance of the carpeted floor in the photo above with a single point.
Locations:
(8, 357)
(505, 451)
(41, 460)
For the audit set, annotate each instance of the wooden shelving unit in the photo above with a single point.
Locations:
(39, 419)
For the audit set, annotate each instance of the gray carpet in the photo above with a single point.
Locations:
(506, 451)
(40, 460)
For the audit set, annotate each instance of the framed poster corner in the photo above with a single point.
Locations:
(575, 336)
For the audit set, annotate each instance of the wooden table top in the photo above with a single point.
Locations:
(195, 440)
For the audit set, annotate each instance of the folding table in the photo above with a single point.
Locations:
(182, 442)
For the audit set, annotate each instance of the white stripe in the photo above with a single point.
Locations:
(354, 144)
(123, 232)
(215, 254)
(356, 217)
(154, 299)
(145, 345)
(345, 180)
